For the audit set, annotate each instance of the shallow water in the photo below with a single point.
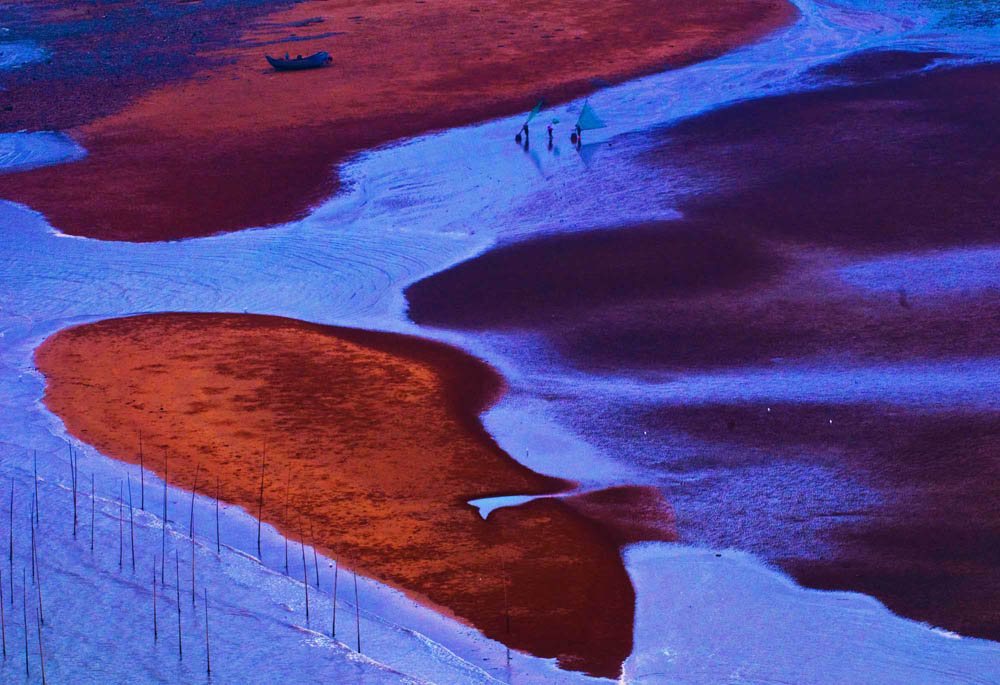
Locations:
(416, 208)
(16, 53)
(21, 151)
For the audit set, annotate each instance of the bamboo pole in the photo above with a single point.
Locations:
(38, 577)
(218, 536)
(121, 526)
(36, 481)
(31, 518)
(142, 476)
(315, 558)
(72, 466)
(10, 549)
(163, 527)
(208, 647)
(357, 608)
(305, 568)
(180, 647)
(194, 491)
(93, 506)
(192, 572)
(131, 523)
(24, 606)
(155, 636)
(284, 520)
(333, 623)
(3, 620)
(260, 501)
(41, 654)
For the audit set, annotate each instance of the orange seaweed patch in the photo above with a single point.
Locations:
(240, 145)
(380, 436)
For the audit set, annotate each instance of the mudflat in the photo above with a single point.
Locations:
(370, 447)
(890, 165)
(190, 132)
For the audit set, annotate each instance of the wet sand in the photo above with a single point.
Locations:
(931, 551)
(233, 144)
(895, 166)
(379, 438)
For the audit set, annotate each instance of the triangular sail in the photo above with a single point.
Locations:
(588, 118)
(534, 112)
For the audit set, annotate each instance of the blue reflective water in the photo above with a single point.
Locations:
(417, 207)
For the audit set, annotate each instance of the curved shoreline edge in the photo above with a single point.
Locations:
(842, 262)
(401, 517)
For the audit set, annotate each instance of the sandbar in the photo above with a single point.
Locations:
(371, 446)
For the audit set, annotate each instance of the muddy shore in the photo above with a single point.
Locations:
(887, 163)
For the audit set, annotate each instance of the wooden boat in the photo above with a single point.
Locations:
(300, 62)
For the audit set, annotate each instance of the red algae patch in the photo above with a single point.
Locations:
(379, 437)
(238, 145)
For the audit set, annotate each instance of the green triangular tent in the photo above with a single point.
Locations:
(589, 119)
(534, 112)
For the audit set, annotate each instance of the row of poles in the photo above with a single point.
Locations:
(126, 486)
(305, 579)
(36, 580)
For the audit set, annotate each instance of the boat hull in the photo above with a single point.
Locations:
(311, 62)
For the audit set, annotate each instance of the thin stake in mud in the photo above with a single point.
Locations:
(180, 648)
(142, 476)
(10, 556)
(154, 600)
(194, 491)
(93, 506)
(10, 548)
(357, 608)
(288, 481)
(218, 537)
(333, 623)
(208, 647)
(131, 523)
(305, 568)
(72, 468)
(163, 528)
(41, 654)
(121, 526)
(38, 573)
(260, 501)
(315, 559)
(36, 480)
(24, 606)
(31, 518)
(3, 621)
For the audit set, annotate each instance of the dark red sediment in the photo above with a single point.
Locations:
(902, 165)
(557, 278)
